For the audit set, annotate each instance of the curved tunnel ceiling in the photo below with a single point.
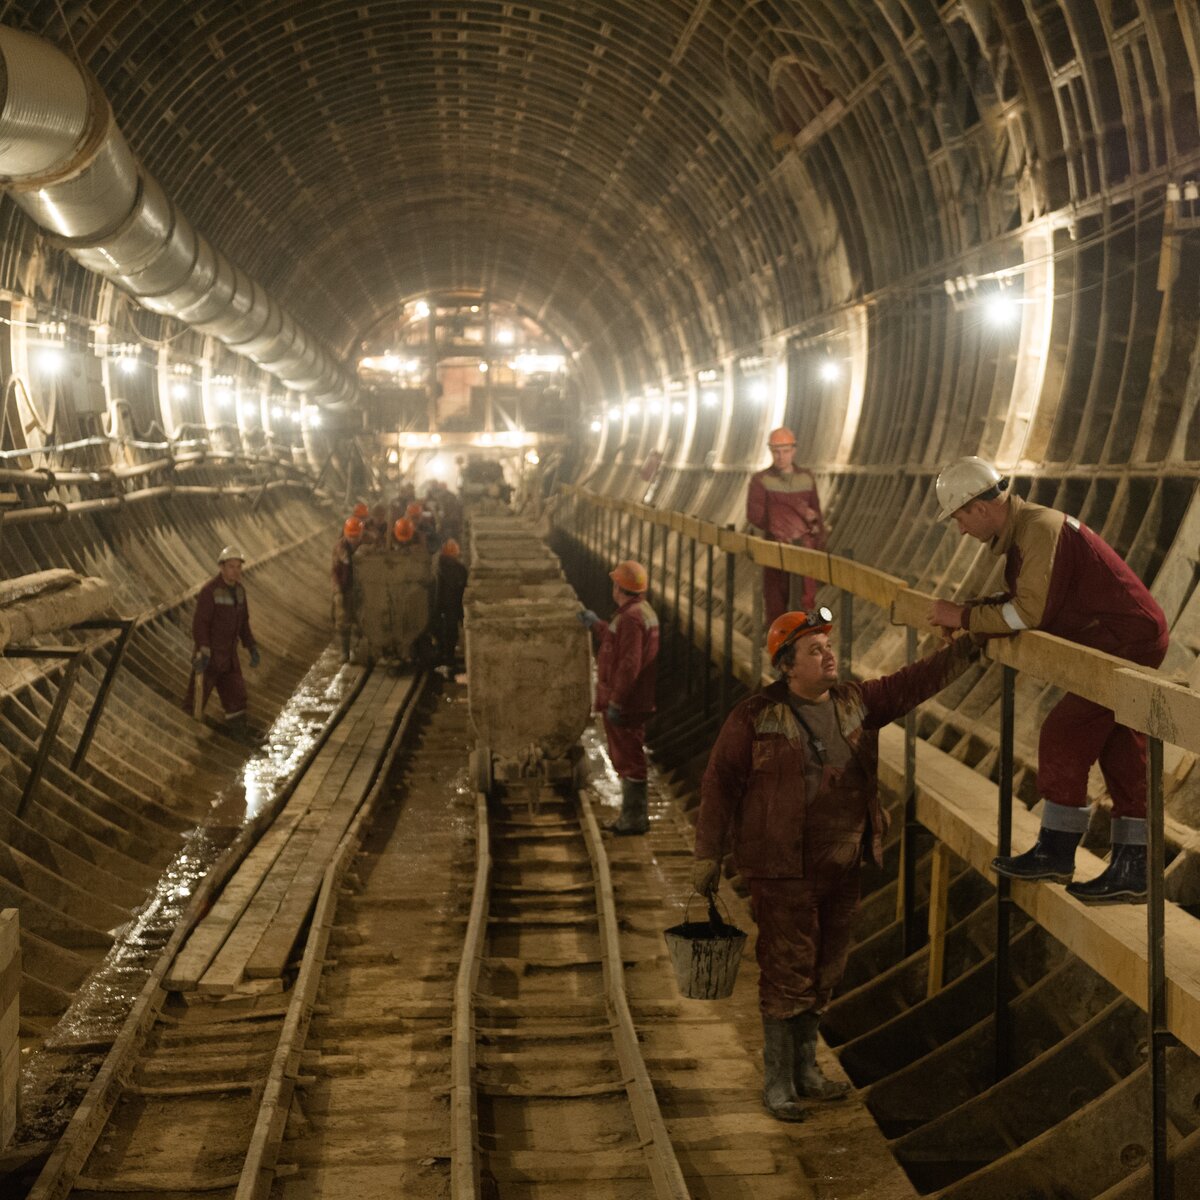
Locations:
(664, 184)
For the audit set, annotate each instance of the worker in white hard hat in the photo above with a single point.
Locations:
(1064, 579)
(222, 619)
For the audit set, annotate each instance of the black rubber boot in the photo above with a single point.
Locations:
(1051, 857)
(1123, 881)
(779, 1054)
(634, 818)
(346, 646)
(809, 1078)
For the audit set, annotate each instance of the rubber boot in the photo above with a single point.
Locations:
(809, 1078)
(238, 727)
(1052, 856)
(634, 818)
(1123, 881)
(779, 1054)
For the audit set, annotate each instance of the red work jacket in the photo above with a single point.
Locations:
(222, 619)
(627, 662)
(752, 796)
(786, 507)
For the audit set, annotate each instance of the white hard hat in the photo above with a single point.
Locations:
(964, 481)
(228, 553)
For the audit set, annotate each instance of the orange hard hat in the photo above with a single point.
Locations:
(403, 530)
(361, 511)
(450, 548)
(630, 576)
(794, 625)
(353, 528)
(781, 437)
(414, 510)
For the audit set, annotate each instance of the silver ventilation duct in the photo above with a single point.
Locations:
(66, 164)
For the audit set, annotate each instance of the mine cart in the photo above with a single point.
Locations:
(529, 681)
(392, 601)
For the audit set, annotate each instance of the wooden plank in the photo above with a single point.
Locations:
(939, 890)
(798, 560)
(10, 1022)
(1163, 709)
(210, 935)
(959, 807)
(559, 1166)
(732, 542)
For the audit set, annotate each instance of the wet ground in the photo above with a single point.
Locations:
(56, 1072)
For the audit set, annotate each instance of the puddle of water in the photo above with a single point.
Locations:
(55, 1075)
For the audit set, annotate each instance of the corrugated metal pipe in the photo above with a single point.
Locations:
(67, 165)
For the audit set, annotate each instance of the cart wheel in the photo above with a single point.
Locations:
(480, 764)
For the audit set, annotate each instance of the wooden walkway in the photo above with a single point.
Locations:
(959, 807)
(251, 930)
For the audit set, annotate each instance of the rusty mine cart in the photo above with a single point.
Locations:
(392, 591)
(529, 667)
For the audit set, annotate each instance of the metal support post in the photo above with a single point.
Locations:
(846, 627)
(676, 622)
(57, 712)
(908, 846)
(727, 647)
(706, 690)
(1004, 902)
(641, 526)
(757, 632)
(650, 540)
(689, 643)
(1162, 1173)
(110, 672)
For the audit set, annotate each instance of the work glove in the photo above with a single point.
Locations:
(201, 659)
(255, 657)
(587, 618)
(613, 715)
(706, 876)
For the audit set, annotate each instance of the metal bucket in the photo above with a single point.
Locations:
(705, 955)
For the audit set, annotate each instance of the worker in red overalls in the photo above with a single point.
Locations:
(1062, 578)
(792, 791)
(782, 502)
(222, 619)
(341, 577)
(626, 666)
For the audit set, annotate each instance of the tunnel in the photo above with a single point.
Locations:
(546, 282)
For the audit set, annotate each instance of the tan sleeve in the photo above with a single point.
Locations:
(1037, 541)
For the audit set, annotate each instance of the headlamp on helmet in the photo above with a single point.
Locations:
(789, 628)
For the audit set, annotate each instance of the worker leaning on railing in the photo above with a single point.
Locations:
(1062, 578)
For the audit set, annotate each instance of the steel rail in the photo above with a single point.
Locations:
(665, 1171)
(464, 1112)
(259, 1167)
(67, 1160)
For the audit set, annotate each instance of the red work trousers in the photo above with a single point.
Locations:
(777, 594)
(230, 686)
(1077, 733)
(627, 748)
(804, 928)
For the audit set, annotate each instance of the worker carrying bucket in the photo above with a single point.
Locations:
(705, 955)
(791, 789)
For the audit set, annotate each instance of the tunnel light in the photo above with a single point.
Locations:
(1001, 310)
(708, 375)
(391, 362)
(277, 413)
(596, 425)
(537, 364)
(504, 336)
(179, 391)
(224, 397)
(485, 439)
(829, 371)
(678, 408)
(393, 456)
(128, 366)
(709, 399)
(654, 408)
(532, 458)
(614, 413)
(436, 438)
(758, 392)
(421, 310)
(483, 368)
(314, 421)
(633, 408)
(51, 361)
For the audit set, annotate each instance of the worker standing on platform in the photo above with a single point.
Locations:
(791, 788)
(221, 620)
(449, 586)
(626, 666)
(342, 581)
(782, 502)
(1062, 578)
